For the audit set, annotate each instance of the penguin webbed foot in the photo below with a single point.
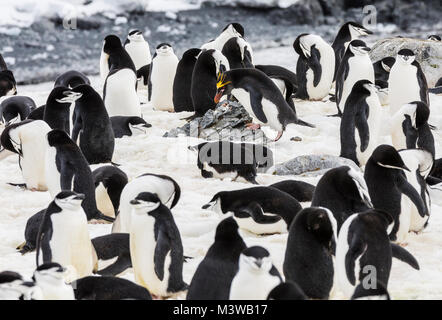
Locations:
(253, 126)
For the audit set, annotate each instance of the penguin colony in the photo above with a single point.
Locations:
(354, 218)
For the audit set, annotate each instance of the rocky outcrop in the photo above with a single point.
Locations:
(428, 54)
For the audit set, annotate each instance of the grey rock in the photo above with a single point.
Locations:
(226, 122)
(428, 54)
(312, 165)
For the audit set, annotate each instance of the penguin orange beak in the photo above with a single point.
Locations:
(218, 95)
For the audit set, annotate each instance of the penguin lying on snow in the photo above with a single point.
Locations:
(13, 287)
(260, 97)
(63, 236)
(16, 107)
(315, 67)
(50, 278)
(387, 184)
(256, 275)
(261, 210)
(156, 249)
(71, 79)
(310, 252)
(182, 83)
(128, 126)
(213, 276)
(287, 291)
(108, 288)
(300, 190)
(343, 191)
(363, 246)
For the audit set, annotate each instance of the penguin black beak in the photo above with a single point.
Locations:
(147, 125)
(405, 168)
(134, 201)
(368, 31)
(258, 263)
(206, 206)
(80, 196)
(366, 49)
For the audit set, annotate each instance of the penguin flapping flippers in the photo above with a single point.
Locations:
(401, 254)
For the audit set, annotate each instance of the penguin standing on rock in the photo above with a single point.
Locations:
(360, 124)
(410, 128)
(343, 191)
(182, 84)
(364, 250)
(92, 127)
(256, 276)
(348, 32)
(16, 108)
(355, 65)
(28, 140)
(67, 169)
(213, 277)
(57, 110)
(315, 67)
(161, 78)
(407, 81)
(156, 249)
(310, 252)
(204, 80)
(114, 57)
(387, 184)
(139, 51)
(260, 97)
(63, 236)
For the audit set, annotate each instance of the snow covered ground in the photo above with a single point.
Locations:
(153, 153)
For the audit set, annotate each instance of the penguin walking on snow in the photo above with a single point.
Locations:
(407, 81)
(364, 251)
(114, 57)
(310, 252)
(128, 126)
(67, 169)
(213, 276)
(166, 188)
(260, 97)
(139, 51)
(260, 210)
(354, 66)
(348, 32)
(63, 236)
(156, 249)
(361, 123)
(315, 67)
(92, 127)
(410, 129)
(50, 278)
(162, 75)
(343, 191)
(15, 109)
(28, 140)
(387, 185)
(256, 275)
(204, 80)
(182, 83)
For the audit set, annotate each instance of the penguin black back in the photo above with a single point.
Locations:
(182, 98)
(16, 106)
(118, 56)
(300, 190)
(215, 273)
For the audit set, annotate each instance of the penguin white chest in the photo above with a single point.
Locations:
(121, 99)
(142, 251)
(70, 243)
(162, 77)
(139, 52)
(403, 86)
(269, 109)
(250, 285)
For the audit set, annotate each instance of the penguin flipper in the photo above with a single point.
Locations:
(162, 248)
(401, 254)
(347, 134)
(362, 126)
(315, 65)
(356, 249)
(254, 210)
(407, 189)
(116, 268)
(256, 103)
(410, 133)
(67, 175)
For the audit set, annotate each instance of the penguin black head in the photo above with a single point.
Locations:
(9, 276)
(224, 85)
(236, 27)
(216, 203)
(363, 87)
(358, 47)
(355, 29)
(145, 202)
(287, 291)
(84, 91)
(387, 156)
(405, 56)
(382, 216)
(192, 53)
(434, 37)
(49, 271)
(255, 258)
(422, 113)
(58, 137)
(387, 63)
(7, 83)
(137, 125)
(227, 229)
(318, 223)
(63, 95)
(377, 292)
(164, 48)
(69, 200)
(299, 47)
(111, 43)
